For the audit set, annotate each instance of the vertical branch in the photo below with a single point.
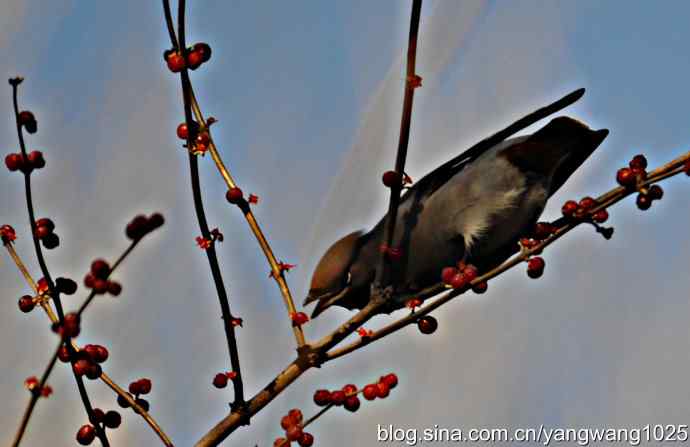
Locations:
(411, 82)
(30, 206)
(201, 215)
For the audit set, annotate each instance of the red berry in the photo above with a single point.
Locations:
(286, 422)
(458, 281)
(535, 267)
(42, 286)
(89, 280)
(470, 273)
(194, 59)
(66, 286)
(71, 326)
(122, 402)
(600, 216)
(299, 318)
(100, 355)
(26, 304)
(294, 433)
(94, 371)
(81, 366)
(686, 168)
(639, 172)
(587, 203)
(100, 269)
(134, 388)
(643, 201)
(480, 287)
(36, 159)
(220, 380)
(322, 397)
(100, 286)
(112, 419)
(86, 434)
(542, 230)
(625, 177)
(296, 416)
(114, 288)
(97, 416)
(569, 208)
(203, 139)
(51, 241)
(90, 351)
(138, 227)
(175, 62)
(63, 354)
(391, 380)
(306, 440)
(655, 192)
(27, 120)
(204, 49)
(145, 386)
(447, 274)
(427, 324)
(234, 195)
(143, 403)
(338, 397)
(350, 389)
(391, 178)
(638, 161)
(281, 442)
(13, 162)
(382, 390)
(352, 404)
(370, 392)
(183, 131)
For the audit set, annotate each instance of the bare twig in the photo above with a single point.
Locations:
(35, 395)
(201, 215)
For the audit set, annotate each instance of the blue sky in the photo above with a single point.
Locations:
(308, 96)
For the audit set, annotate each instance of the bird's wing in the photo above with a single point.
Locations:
(431, 182)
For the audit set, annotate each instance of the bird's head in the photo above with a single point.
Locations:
(332, 281)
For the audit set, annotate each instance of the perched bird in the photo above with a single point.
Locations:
(473, 208)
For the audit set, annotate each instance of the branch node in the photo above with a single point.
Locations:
(308, 357)
(242, 409)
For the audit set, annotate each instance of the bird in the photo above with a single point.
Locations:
(473, 208)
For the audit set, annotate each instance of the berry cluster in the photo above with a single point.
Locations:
(97, 279)
(220, 380)
(17, 162)
(292, 424)
(7, 234)
(582, 209)
(87, 433)
(136, 389)
(141, 225)
(636, 172)
(70, 326)
(33, 384)
(461, 276)
(347, 395)
(45, 232)
(196, 55)
(200, 139)
(86, 361)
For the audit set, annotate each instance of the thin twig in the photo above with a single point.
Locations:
(383, 272)
(30, 207)
(203, 225)
(35, 395)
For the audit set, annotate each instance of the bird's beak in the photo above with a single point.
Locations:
(325, 300)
